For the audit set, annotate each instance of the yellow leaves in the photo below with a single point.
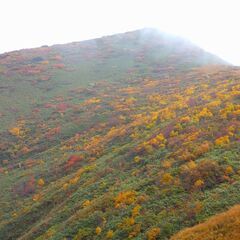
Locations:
(235, 93)
(157, 141)
(185, 119)
(135, 210)
(153, 233)
(129, 221)
(135, 232)
(229, 108)
(167, 178)
(41, 182)
(86, 203)
(74, 180)
(215, 103)
(65, 186)
(15, 131)
(92, 101)
(36, 197)
(88, 168)
(160, 138)
(98, 230)
(205, 113)
(173, 133)
(115, 132)
(191, 165)
(229, 170)
(189, 91)
(204, 86)
(206, 97)
(50, 232)
(166, 114)
(199, 183)
(135, 135)
(110, 234)
(221, 141)
(77, 176)
(137, 159)
(125, 198)
(14, 215)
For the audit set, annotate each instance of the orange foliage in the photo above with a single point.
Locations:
(73, 160)
(167, 178)
(125, 198)
(222, 141)
(224, 226)
(98, 230)
(41, 182)
(136, 210)
(15, 131)
(153, 233)
(110, 234)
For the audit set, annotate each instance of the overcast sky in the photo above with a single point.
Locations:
(212, 24)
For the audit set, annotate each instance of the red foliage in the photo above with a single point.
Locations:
(53, 132)
(62, 107)
(25, 188)
(73, 160)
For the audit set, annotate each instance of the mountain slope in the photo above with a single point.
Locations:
(222, 226)
(33, 76)
(134, 154)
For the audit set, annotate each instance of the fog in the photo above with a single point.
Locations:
(213, 25)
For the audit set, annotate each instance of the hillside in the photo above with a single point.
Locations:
(131, 136)
(222, 226)
(34, 76)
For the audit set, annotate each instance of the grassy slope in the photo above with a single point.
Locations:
(138, 119)
(64, 67)
(222, 226)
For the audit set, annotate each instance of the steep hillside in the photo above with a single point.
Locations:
(132, 136)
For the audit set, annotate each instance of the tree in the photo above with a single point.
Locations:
(16, 131)
(110, 234)
(98, 230)
(41, 182)
(125, 198)
(221, 141)
(153, 233)
(199, 183)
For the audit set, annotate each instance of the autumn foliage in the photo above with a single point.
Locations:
(224, 226)
(122, 137)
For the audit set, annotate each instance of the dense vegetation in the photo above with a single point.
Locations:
(133, 136)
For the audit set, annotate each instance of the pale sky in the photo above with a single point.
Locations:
(212, 24)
